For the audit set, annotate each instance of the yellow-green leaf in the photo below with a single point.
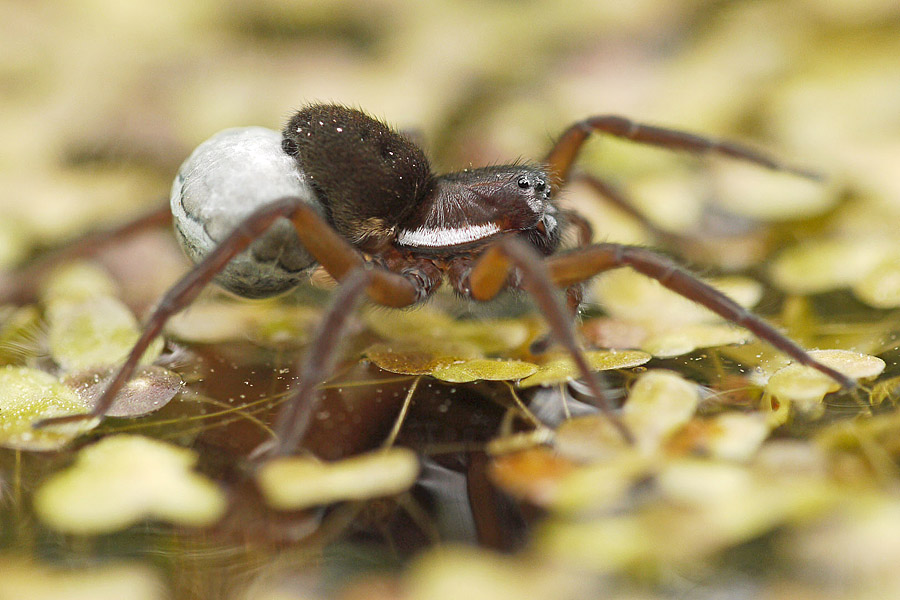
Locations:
(76, 282)
(478, 369)
(124, 479)
(147, 390)
(687, 338)
(417, 359)
(563, 369)
(659, 403)
(806, 387)
(428, 325)
(94, 332)
(818, 266)
(880, 287)
(24, 579)
(297, 482)
(631, 296)
(28, 395)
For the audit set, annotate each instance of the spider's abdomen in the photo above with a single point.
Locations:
(225, 179)
(367, 176)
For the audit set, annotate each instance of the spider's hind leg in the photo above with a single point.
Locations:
(318, 363)
(332, 251)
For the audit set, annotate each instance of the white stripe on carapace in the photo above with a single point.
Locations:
(449, 236)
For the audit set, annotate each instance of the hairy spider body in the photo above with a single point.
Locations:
(378, 190)
(366, 175)
(386, 201)
(347, 192)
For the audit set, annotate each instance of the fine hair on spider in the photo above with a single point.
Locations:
(256, 210)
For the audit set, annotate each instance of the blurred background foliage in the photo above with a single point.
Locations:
(103, 99)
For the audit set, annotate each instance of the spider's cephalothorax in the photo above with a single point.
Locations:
(470, 208)
(343, 190)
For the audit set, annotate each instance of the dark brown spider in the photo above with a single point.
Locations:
(362, 202)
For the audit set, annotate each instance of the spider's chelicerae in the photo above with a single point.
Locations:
(257, 210)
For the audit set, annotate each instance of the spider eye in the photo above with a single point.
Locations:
(523, 183)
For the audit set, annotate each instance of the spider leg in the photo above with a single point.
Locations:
(583, 263)
(332, 251)
(584, 235)
(22, 285)
(574, 300)
(487, 278)
(318, 363)
(561, 157)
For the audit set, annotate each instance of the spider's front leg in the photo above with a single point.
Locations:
(583, 263)
(489, 275)
(332, 251)
(562, 156)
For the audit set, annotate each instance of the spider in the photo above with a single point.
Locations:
(341, 189)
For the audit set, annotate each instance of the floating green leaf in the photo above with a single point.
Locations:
(736, 436)
(94, 332)
(427, 324)
(631, 296)
(563, 369)
(687, 338)
(602, 544)
(589, 438)
(806, 387)
(659, 403)
(293, 483)
(20, 329)
(880, 287)
(148, 390)
(77, 282)
(766, 196)
(123, 479)
(452, 572)
(406, 358)
(263, 320)
(533, 474)
(599, 487)
(15, 242)
(818, 266)
(23, 579)
(28, 395)
(484, 369)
